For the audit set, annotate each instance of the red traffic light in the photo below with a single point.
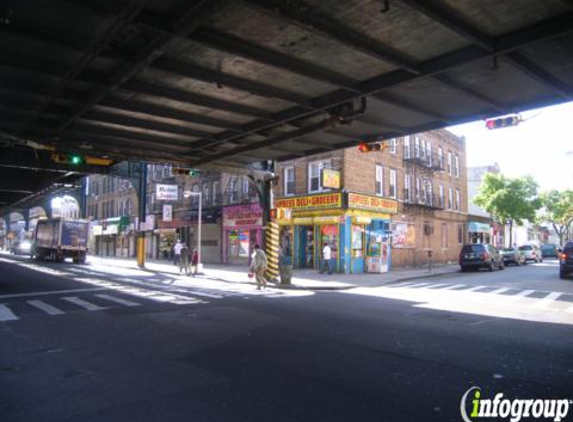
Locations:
(500, 122)
(377, 146)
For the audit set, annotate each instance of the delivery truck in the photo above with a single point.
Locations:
(61, 238)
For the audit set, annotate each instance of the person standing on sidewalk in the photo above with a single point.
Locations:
(184, 259)
(326, 258)
(194, 262)
(259, 266)
(177, 252)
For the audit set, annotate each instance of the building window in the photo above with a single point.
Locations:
(460, 233)
(314, 170)
(407, 188)
(417, 150)
(392, 146)
(457, 166)
(392, 191)
(379, 188)
(418, 190)
(216, 192)
(289, 184)
(429, 193)
(450, 198)
(429, 153)
(450, 163)
(441, 157)
(457, 203)
(441, 196)
(233, 189)
(206, 198)
(407, 147)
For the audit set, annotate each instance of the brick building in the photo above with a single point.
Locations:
(421, 178)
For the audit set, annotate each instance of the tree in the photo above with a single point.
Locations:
(509, 200)
(558, 210)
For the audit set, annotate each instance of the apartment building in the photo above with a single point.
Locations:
(396, 207)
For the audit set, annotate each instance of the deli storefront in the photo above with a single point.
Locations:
(242, 230)
(356, 227)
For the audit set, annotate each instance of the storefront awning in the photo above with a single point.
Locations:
(476, 227)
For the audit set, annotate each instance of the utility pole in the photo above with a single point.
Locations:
(142, 209)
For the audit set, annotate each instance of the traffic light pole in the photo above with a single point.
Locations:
(142, 214)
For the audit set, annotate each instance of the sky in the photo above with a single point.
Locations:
(541, 146)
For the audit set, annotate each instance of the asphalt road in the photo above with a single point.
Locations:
(141, 352)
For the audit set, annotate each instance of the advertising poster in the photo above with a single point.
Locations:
(404, 235)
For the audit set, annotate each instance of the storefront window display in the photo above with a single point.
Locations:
(357, 241)
(243, 230)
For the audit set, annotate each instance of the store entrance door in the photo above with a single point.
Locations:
(306, 251)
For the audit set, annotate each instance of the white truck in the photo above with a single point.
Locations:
(61, 238)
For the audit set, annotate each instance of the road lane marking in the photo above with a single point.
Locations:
(84, 304)
(435, 286)
(6, 314)
(118, 300)
(47, 308)
(52, 292)
(418, 285)
(520, 295)
(569, 310)
(547, 300)
(402, 284)
(455, 286)
(473, 289)
(499, 291)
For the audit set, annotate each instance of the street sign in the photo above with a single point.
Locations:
(167, 212)
(166, 192)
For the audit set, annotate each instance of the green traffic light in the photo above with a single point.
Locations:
(75, 159)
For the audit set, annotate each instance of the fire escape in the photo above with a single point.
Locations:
(420, 165)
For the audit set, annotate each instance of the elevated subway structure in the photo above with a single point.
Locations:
(236, 83)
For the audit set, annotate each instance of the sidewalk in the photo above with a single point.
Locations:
(301, 279)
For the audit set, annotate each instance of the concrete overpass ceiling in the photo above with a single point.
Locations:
(240, 81)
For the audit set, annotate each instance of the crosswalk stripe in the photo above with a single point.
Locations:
(473, 289)
(520, 295)
(84, 304)
(402, 285)
(436, 286)
(118, 300)
(418, 285)
(499, 291)
(569, 310)
(47, 308)
(546, 301)
(455, 286)
(6, 314)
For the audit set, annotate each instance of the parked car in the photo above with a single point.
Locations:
(513, 256)
(566, 260)
(480, 256)
(532, 253)
(549, 251)
(23, 247)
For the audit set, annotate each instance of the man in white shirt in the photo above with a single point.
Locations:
(177, 252)
(326, 258)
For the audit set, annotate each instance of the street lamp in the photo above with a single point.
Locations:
(187, 194)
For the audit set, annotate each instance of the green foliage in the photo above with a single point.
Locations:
(557, 210)
(509, 200)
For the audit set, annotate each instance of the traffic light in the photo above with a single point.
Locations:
(377, 146)
(186, 172)
(76, 160)
(73, 159)
(500, 122)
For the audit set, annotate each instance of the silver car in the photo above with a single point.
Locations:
(532, 253)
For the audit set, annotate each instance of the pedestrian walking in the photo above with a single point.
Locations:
(177, 252)
(184, 259)
(259, 267)
(194, 262)
(326, 258)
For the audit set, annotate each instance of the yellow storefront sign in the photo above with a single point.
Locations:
(330, 178)
(313, 202)
(372, 203)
